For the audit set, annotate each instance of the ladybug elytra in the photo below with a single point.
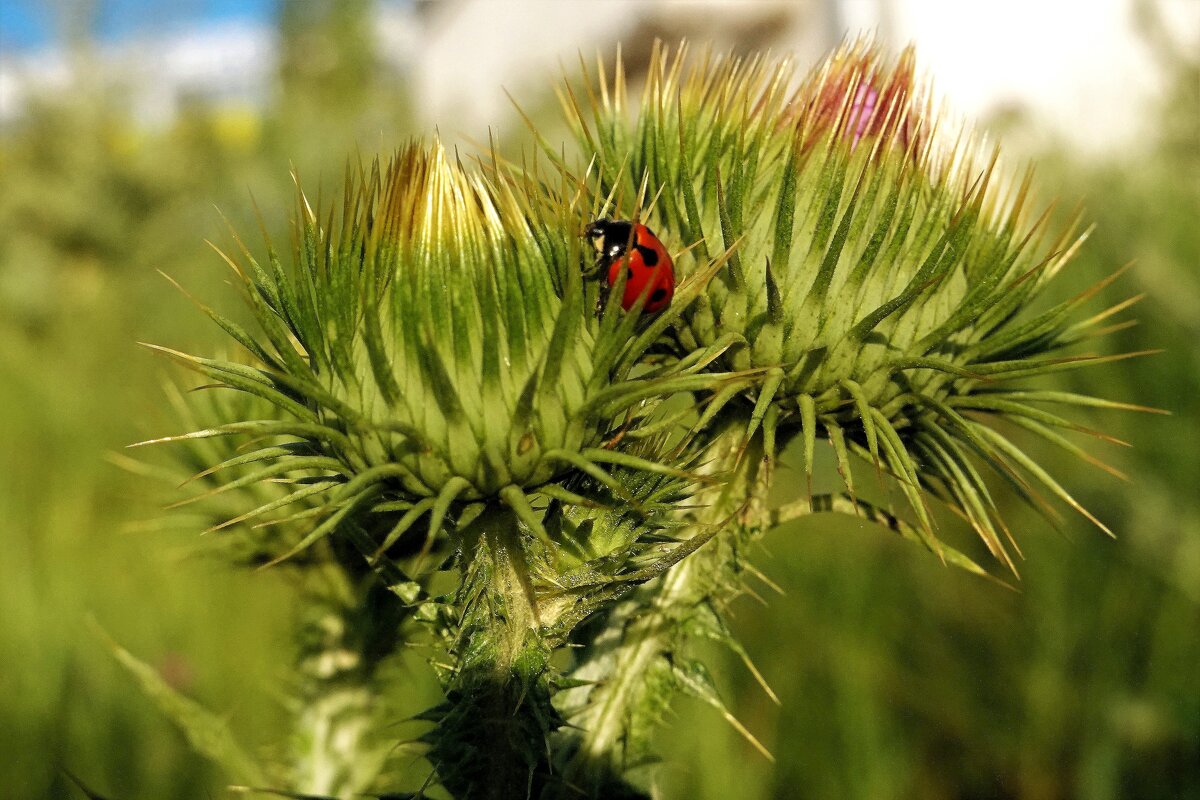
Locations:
(632, 246)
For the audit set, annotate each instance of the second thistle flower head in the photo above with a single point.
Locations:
(878, 263)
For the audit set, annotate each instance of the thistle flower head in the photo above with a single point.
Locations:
(878, 262)
(429, 348)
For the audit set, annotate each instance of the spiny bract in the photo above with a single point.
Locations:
(878, 264)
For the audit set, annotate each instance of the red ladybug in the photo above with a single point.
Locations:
(635, 247)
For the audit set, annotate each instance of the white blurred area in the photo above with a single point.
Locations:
(1079, 66)
(1076, 68)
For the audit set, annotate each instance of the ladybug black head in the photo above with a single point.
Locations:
(610, 237)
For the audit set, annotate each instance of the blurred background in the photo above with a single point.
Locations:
(126, 124)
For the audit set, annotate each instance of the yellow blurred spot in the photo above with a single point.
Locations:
(125, 139)
(237, 128)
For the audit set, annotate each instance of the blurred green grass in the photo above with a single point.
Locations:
(899, 678)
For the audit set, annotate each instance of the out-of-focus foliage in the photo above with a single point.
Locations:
(92, 202)
(899, 679)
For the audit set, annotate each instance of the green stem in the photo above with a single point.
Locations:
(490, 738)
(352, 623)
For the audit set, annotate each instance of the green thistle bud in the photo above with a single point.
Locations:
(878, 264)
(879, 272)
(432, 347)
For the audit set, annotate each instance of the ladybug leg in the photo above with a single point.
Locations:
(603, 289)
(597, 266)
(602, 298)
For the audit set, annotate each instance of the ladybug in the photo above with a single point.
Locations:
(632, 246)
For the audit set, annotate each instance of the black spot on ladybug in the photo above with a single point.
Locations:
(630, 271)
(649, 255)
(658, 294)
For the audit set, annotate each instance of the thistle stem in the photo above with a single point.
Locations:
(629, 663)
(490, 738)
